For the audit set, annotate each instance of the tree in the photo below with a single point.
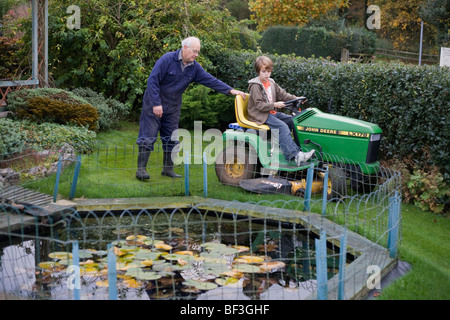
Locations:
(299, 12)
(437, 13)
(401, 23)
(120, 40)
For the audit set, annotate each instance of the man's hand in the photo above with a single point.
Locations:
(158, 111)
(236, 92)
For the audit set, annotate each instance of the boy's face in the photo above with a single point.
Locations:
(264, 74)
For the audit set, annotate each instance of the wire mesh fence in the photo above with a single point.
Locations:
(327, 231)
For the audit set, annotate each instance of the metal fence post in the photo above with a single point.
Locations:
(76, 173)
(393, 225)
(321, 266)
(205, 176)
(342, 260)
(325, 193)
(58, 174)
(112, 273)
(186, 173)
(76, 264)
(309, 178)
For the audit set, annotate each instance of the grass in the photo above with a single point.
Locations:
(425, 243)
(426, 246)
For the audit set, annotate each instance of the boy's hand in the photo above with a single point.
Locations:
(279, 105)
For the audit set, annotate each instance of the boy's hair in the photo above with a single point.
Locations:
(263, 61)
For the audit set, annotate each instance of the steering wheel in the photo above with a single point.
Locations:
(293, 104)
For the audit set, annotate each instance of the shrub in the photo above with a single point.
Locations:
(12, 139)
(41, 109)
(10, 61)
(111, 110)
(51, 135)
(428, 190)
(202, 104)
(317, 41)
(19, 99)
(410, 103)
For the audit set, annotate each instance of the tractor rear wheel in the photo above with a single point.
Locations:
(338, 180)
(234, 164)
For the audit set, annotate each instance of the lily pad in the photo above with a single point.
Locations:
(132, 283)
(137, 237)
(60, 255)
(150, 242)
(147, 263)
(241, 248)
(150, 255)
(247, 268)
(250, 259)
(102, 283)
(200, 285)
(212, 245)
(228, 281)
(162, 246)
(272, 266)
(139, 274)
(48, 265)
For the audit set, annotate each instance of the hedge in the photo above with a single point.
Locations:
(410, 103)
(317, 41)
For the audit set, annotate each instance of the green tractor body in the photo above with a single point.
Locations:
(348, 147)
(354, 141)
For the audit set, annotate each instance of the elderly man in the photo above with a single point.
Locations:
(161, 106)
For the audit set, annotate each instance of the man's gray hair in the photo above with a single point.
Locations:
(188, 41)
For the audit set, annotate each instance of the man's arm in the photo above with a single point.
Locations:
(206, 79)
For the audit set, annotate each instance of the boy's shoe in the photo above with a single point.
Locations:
(303, 157)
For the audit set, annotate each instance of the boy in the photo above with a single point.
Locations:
(266, 97)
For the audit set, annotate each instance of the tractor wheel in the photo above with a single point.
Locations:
(360, 182)
(338, 180)
(233, 165)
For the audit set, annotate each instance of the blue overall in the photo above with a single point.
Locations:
(165, 86)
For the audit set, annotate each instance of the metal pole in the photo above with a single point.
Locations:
(58, 174)
(309, 181)
(321, 266)
(342, 260)
(34, 39)
(76, 173)
(205, 176)
(325, 193)
(186, 173)
(46, 43)
(393, 224)
(112, 273)
(76, 264)
(421, 38)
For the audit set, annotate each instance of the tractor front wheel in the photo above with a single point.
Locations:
(234, 164)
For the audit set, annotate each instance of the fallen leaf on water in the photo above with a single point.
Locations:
(162, 246)
(272, 265)
(102, 283)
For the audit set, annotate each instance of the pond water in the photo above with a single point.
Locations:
(174, 255)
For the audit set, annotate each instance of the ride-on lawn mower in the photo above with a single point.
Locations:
(346, 148)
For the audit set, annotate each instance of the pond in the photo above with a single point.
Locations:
(164, 254)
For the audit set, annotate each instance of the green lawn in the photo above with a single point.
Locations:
(426, 246)
(425, 236)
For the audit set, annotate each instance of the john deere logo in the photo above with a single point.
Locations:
(334, 132)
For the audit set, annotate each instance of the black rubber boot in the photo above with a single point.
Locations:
(143, 156)
(168, 166)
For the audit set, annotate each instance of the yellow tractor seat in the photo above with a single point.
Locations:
(240, 107)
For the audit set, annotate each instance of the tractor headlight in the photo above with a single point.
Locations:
(375, 137)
